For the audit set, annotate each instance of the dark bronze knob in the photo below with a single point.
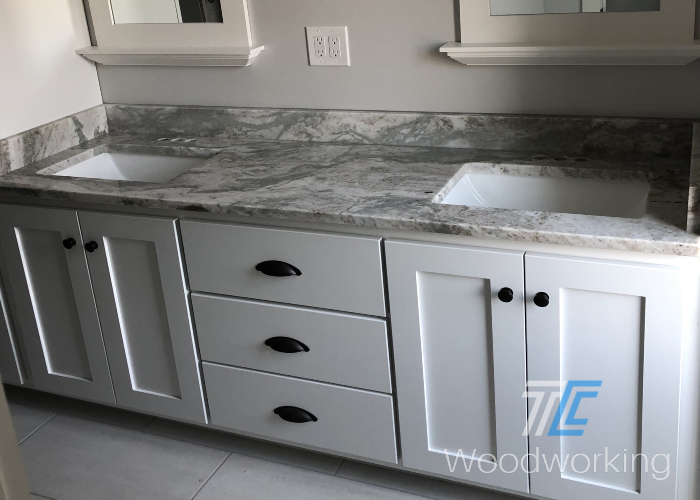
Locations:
(91, 246)
(505, 295)
(541, 299)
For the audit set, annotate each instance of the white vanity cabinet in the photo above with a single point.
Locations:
(55, 310)
(515, 370)
(55, 259)
(603, 369)
(459, 355)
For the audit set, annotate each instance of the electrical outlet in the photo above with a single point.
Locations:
(328, 46)
(334, 51)
(320, 49)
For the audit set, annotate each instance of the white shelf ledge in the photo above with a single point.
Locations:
(237, 56)
(505, 54)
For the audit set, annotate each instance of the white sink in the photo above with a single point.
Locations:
(612, 198)
(132, 167)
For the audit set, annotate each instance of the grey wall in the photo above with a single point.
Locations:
(396, 66)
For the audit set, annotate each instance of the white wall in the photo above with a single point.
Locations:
(396, 66)
(41, 77)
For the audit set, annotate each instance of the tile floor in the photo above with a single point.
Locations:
(81, 451)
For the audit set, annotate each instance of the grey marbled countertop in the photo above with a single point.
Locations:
(390, 187)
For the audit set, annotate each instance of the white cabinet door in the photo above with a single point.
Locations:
(139, 282)
(611, 334)
(54, 303)
(459, 354)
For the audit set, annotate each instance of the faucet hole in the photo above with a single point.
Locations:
(539, 157)
(560, 158)
(581, 160)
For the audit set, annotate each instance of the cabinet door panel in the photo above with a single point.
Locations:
(55, 305)
(139, 283)
(459, 354)
(616, 327)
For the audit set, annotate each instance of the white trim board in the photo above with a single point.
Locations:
(235, 56)
(480, 54)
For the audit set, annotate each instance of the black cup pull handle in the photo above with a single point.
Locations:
(295, 415)
(277, 269)
(91, 246)
(286, 345)
(69, 243)
(541, 299)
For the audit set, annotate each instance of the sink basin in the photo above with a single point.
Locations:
(612, 198)
(132, 167)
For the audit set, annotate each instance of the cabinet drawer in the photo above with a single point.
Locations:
(350, 421)
(337, 272)
(342, 349)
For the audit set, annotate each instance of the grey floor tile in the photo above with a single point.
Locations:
(27, 419)
(245, 446)
(39, 497)
(77, 408)
(419, 485)
(75, 459)
(248, 478)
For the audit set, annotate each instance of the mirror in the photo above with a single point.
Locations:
(520, 7)
(165, 11)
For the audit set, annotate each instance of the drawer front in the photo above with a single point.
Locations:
(342, 349)
(337, 272)
(350, 421)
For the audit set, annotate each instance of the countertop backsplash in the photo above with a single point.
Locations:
(41, 142)
(549, 134)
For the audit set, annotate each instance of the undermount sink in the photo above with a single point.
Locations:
(131, 167)
(585, 196)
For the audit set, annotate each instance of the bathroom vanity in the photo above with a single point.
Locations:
(355, 300)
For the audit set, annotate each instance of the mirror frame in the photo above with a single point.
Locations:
(674, 24)
(233, 33)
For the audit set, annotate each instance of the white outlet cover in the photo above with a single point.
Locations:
(332, 57)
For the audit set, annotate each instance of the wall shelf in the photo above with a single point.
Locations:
(477, 54)
(236, 56)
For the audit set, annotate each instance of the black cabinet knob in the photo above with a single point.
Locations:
(295, 415)
(286, 345)
(505, 295)
(91, 246)
(541, 299)
(69, 243)
(277, 269)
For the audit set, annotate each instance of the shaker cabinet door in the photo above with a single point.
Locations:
(604, 358)
(139, 282)
(55, 309)
(459, 354)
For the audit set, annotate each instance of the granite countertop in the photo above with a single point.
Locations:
(391, 187)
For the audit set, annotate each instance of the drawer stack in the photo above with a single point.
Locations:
(292, 336)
